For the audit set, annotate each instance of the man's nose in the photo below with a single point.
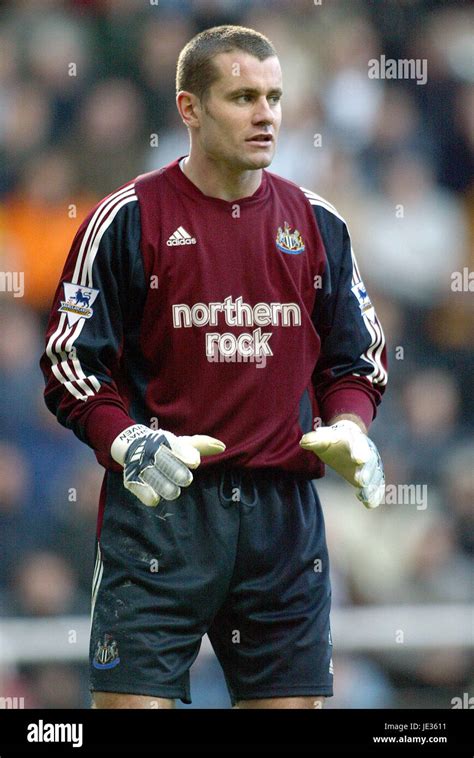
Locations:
(263, 112)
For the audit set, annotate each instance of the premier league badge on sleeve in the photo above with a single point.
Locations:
(365, 303)
(106, 654)
(78, 302)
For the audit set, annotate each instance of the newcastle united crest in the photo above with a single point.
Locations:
(106, 654)
(288, 241)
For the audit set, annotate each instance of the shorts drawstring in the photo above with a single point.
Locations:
(240, 484)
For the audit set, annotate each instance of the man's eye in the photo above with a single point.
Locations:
(274, 99)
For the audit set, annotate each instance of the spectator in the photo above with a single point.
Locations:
(409, 229)
(45, 585)
(110, 137)
(40, 222)
(14, 529)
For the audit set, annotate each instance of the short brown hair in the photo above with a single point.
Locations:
(196, 71)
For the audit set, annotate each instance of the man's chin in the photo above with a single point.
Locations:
(245, 162)
(264, 162)
(258, 161)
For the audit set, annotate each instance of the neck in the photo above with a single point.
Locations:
(217, 179)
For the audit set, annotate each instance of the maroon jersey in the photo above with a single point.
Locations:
(245, 320)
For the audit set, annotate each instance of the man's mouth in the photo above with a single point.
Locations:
(260, 139)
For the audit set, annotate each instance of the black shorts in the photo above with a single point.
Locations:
(241, 555)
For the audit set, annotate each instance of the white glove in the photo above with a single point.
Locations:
(349, 451)
(157, 463)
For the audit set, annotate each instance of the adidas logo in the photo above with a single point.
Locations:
(181, 237)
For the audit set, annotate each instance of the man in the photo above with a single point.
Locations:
(220, 315)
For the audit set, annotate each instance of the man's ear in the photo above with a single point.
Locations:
(189, 108)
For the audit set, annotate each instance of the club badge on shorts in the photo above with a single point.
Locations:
(106, 654)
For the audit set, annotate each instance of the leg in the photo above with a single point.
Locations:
(141, 604)
(272, 634)
(282, 702)
(124, 700)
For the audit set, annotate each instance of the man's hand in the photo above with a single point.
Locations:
(349, 451)
(157, 463)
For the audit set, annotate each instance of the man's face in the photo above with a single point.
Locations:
(240, 116)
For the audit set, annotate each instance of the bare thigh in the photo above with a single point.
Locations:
(124, 700)
(283, 702)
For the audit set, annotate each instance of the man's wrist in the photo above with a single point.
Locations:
(348, 401)
(349, 417)
(122, 442)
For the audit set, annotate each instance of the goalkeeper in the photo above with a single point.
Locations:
(212, 340)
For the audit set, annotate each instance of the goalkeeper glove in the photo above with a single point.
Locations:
(157, 463)
(349, 451)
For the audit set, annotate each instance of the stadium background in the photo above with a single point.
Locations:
(395, 158)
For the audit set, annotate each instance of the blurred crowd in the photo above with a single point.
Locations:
(85, 88)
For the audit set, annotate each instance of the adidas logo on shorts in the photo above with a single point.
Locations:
(181, 237)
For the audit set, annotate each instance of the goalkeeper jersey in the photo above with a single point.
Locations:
(245, 320)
